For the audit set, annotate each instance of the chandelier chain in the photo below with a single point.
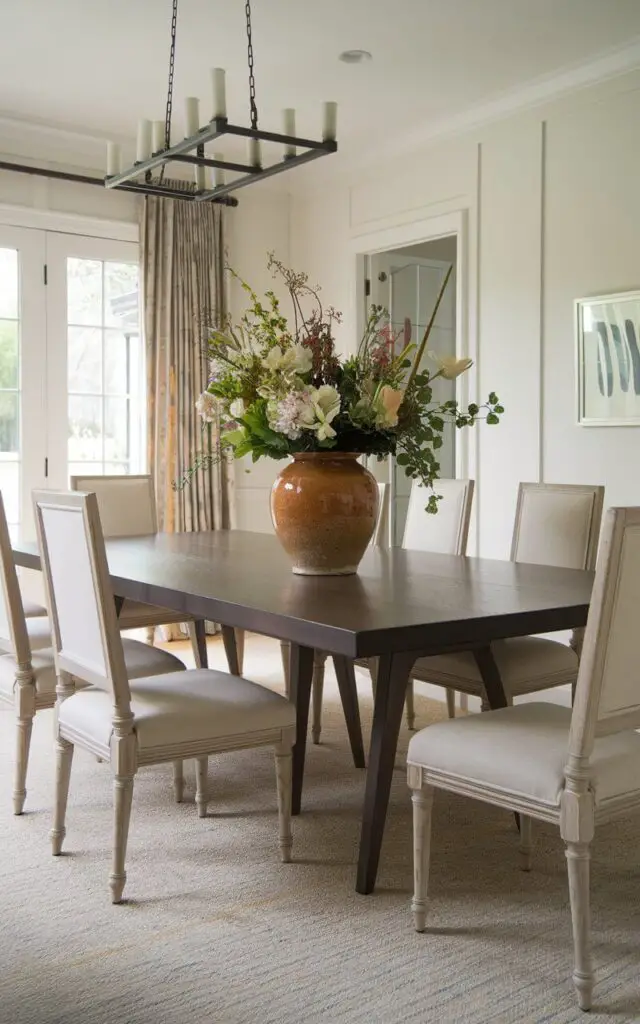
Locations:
(252, 82)
(172, 61)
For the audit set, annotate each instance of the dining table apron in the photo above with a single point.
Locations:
(401, 605)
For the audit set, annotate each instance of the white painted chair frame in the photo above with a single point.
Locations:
(523, 549)
(150, 616)
(607, 702)
(15, 640)
(104, 668)
(415, 539)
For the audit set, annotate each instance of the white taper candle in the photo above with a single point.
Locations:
(289, 125)
(191, 116)
(330, 122)
(219, 92)
(157, 136)
(143, 143)
(114, 163)
(255, 153)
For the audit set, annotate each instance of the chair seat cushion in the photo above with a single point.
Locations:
(43, 669)
(179, 708)
(39, 632)
(522, 750)
(136, 614)
(33, 610)
(140, 659)
(526, 664)
(143, 660)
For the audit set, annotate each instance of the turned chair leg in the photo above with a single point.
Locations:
(178, 780)
(422, 800)
(122, 793)
(285, 654)
(372, 664)
(319, 660)
(283, 779)
(525, 842)
(202, 785)
(411, 715)
(578, 857)
(64, 759)
(151, 634)
(23, 745)
(451, 702)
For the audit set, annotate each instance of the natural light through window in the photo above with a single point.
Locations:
(105, 367)
(10, 386)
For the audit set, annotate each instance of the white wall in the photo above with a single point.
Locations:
(553, 211)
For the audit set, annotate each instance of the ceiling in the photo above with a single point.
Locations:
(98, 67)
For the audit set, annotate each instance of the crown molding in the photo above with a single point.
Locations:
(611, 64)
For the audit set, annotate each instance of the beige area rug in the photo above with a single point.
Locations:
(217, 930)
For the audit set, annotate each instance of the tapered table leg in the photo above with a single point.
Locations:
(346, 676)
(493, 687)
(301, 676)
(231, 649)
(391, 688)
(201, 641)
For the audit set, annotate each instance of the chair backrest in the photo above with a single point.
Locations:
(84, 626)
(608, 691)
(127, 504)
(379, 533)
(445, 532)
(557, 524)
(14, 638)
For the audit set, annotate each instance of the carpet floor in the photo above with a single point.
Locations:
(217, 931)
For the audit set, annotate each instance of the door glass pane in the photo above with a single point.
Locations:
(116, 362)
(121, 299)
(85, 429)
(10, 487)
(84, 292)
(116, 429)
(9, 283)
(9, 354)
(104, 359)
(9, 422)
(84, 360)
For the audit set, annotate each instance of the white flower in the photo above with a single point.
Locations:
(296, 359)
(283, 416)
(450, 367)
(323, 406)
(236, 409)
(207, 406)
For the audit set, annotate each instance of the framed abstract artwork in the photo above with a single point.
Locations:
(608, 359)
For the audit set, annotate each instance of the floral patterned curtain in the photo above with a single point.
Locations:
(182, 279)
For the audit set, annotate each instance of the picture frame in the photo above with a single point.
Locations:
(607, 344)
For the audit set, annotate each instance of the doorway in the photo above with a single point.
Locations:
(407, 282)
(72, 385)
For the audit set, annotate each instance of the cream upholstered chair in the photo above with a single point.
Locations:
(577, 769)
(445, 533)
(128, 509)
(320, 657)
(555, 524)
(148, 721)
(28, 678)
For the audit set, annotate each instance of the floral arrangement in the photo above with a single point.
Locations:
(278, 386)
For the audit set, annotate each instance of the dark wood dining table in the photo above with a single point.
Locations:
(400, 605)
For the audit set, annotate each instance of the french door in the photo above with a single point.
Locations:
(71, 363)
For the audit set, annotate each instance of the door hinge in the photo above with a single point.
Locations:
(45, 274)
(367, 286)
(46, 468)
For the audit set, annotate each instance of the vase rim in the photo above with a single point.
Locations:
(321, 456)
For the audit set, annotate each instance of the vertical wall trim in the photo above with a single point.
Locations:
(543, 168)
(478, 352)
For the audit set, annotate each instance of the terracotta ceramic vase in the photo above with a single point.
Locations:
(324, 507)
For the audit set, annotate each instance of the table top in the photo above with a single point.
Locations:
(398, 601)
